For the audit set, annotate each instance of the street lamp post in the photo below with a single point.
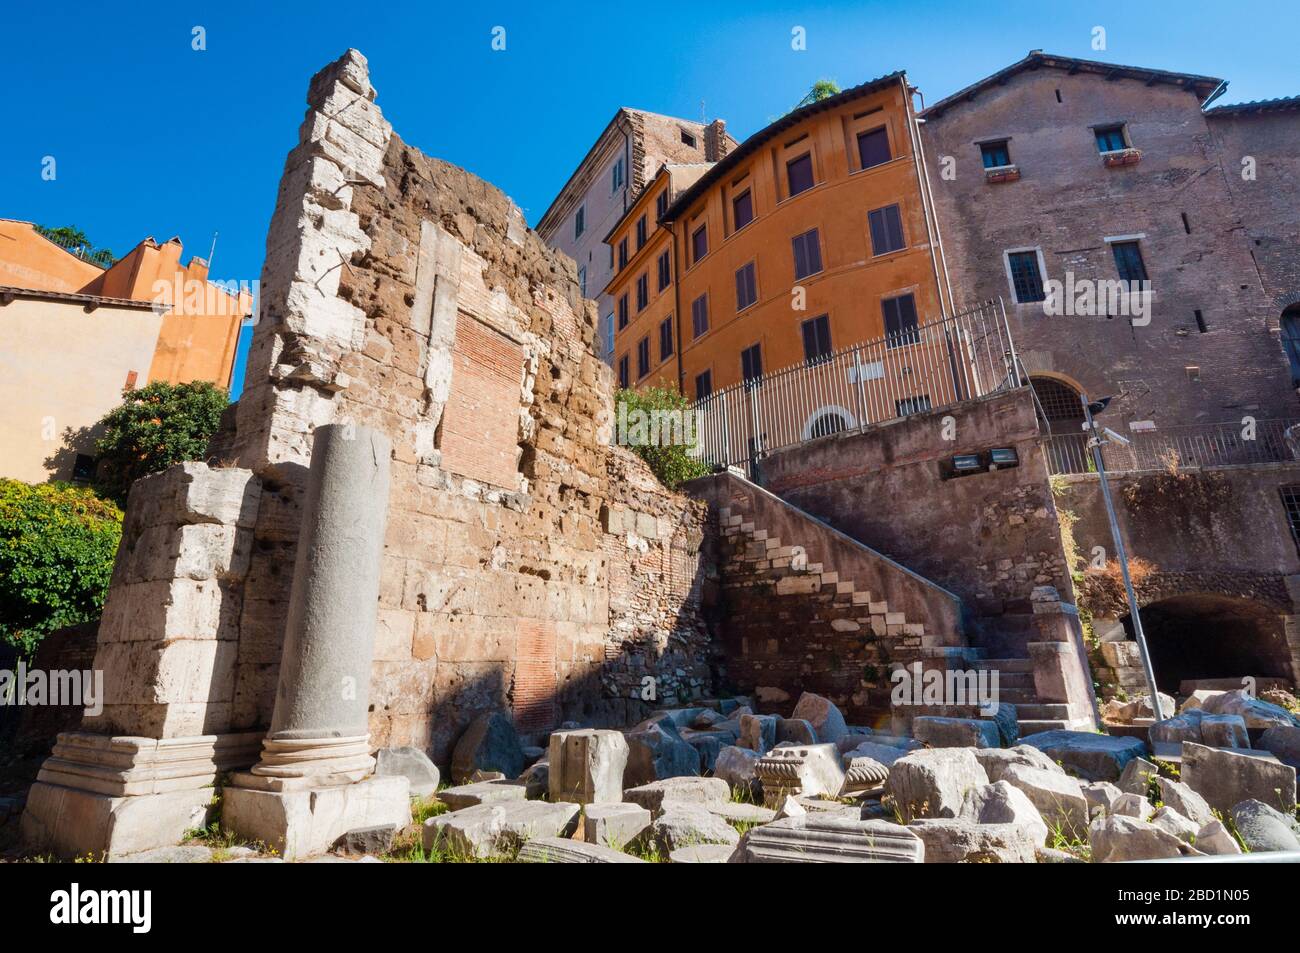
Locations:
(1095, 441)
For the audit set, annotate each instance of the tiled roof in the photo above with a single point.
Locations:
(1282, 104)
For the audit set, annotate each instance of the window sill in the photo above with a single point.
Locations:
(1002, 173)
(1121, 157)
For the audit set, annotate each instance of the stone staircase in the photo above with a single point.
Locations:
(813, 609)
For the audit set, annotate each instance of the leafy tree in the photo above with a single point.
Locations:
(155, 426)
(57, 545)
(822, 89)
(655, 425)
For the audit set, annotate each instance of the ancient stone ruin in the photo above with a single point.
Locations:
(415, 551)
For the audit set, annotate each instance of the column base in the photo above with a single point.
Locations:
(302, 818)
(105, 795)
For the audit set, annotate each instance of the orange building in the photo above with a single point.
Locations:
(201, 321)
(817, 232)
(75, 333)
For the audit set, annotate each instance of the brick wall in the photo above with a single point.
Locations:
(1066, 202)
(481, 422)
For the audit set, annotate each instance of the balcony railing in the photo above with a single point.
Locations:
(925, 368)
(100, 258)
(1233, 443)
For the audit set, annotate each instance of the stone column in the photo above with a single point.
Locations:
(319, 727)
(313, 784)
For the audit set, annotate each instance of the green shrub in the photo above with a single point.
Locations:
(57, 544)
(154, 427)
(669, 459)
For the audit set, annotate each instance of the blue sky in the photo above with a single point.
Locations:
(152, 137)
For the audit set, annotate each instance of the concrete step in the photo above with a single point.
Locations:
(1033, 726)
(1017, 697)
(1006, 665)
(1042, 712)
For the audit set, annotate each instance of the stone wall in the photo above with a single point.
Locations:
(990, 537)
(528, 565)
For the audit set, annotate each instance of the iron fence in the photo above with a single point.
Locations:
(918, 369)
(1232, 443)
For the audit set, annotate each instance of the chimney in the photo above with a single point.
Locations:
(715, 141)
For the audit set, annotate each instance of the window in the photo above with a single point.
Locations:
(1026, 277)
(582, 280)
(1128, 261)
(900, 321)
(699, 243)
(622, 312)
(623, 380)
(580, 221)
(1110, 138)
(661, 204)
(826, 424)
(886, 230)
(688, 139)
(666, 338)
(817, 339)
(912, 405)
(609, 333)
(703, 384)
(665, 271)
(751, 363)
(616, 176)
(746, 287)
(643, 357)
(642, 292)
(873, 147)
(641, 233)
(995, 154)
(742, 209)
(622, 254)
(799, 173)
(699, 315)
(807, 254)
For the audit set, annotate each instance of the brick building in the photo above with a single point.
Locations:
(625, 156)
(1059, 169)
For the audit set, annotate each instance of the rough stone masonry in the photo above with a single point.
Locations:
(527, 564)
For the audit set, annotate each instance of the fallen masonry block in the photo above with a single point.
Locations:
(736, 766)
(412, 764)
(561, 850)
(660, 795)
(1264, 828)
(795, 731)
(1167, 819)
(955, 841)
(956, 732)
(1091, 756)
(737, 813)
(687, 825)
(1225, 731)
(799, 769)
(1214, 838)
(656, 750)
(1137, 776)
(1058, 797)
(1117, 838)
(1185, 801)
(482, 792)
(499, 829)
(829, 839)
(994, 760)
(1134, 805)
(1257, 713)
(587, 766)
(863, 774)
(490, 743)
(1226, 778)
(933, 782)
(758, 732)
(702, 854)
(1003, 803)
(1283, 743)
(614, 825)
(827, 721)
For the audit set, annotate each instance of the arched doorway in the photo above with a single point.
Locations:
(1062, 405)
(826, 421)
(1206, 635)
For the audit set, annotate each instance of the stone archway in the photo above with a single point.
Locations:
(1200, 636)
(1062, 405)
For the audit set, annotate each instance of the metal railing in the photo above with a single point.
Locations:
(100, 258)
(1232, 443)
(919, 369)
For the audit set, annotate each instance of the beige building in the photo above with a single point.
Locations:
(625, 157)
(53, 393)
